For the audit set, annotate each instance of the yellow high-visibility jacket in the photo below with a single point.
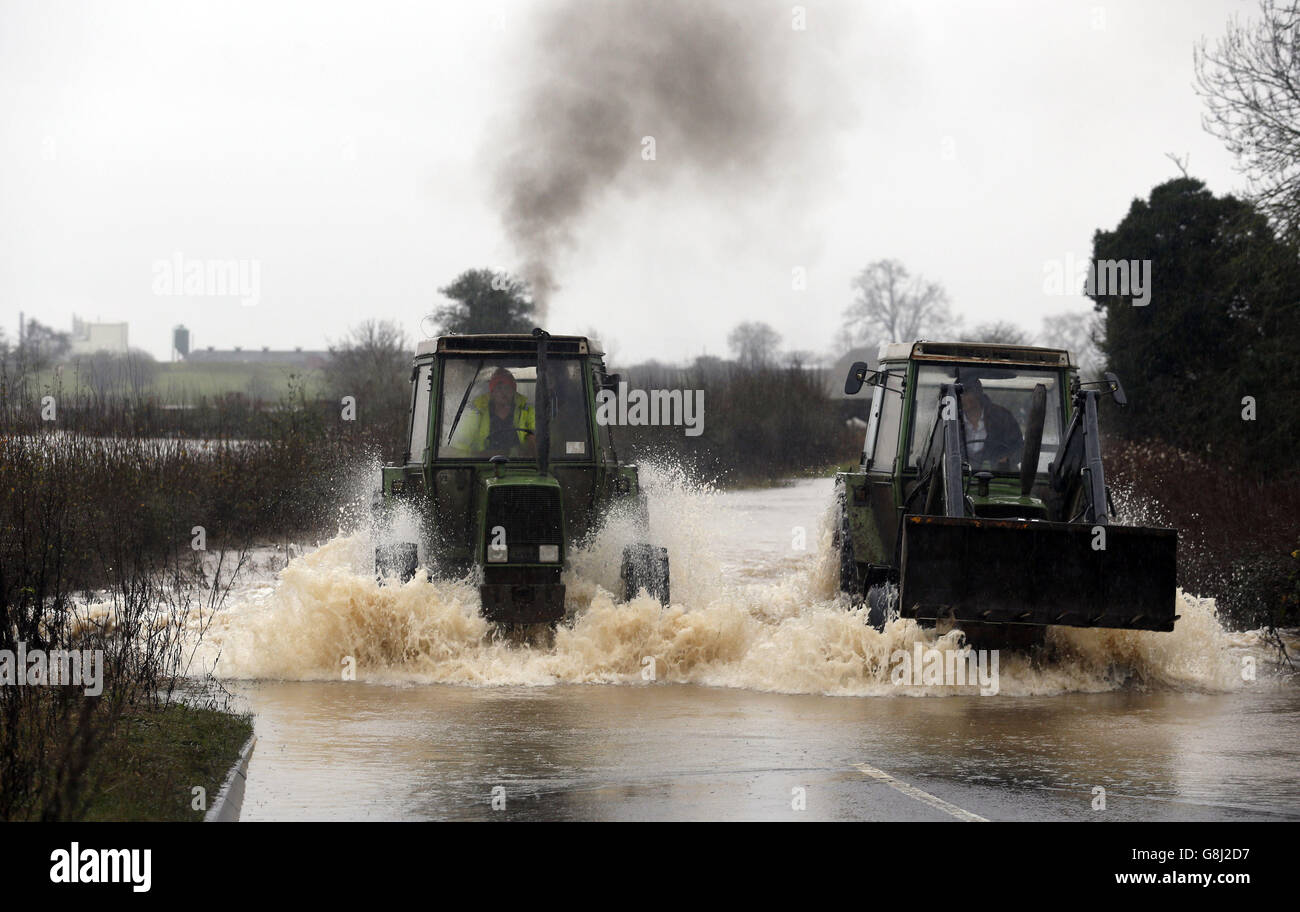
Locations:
(481, 421)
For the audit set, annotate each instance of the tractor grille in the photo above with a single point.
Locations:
(530, 515)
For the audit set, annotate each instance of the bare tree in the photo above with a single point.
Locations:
(799, 358)
(754, 344)
(893, 306)
(1003, 331)
(373, 365)
(41, 346)
(1077, 333)
(1250, 82)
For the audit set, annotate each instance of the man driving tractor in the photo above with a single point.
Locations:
(503, 421)
(993, 435)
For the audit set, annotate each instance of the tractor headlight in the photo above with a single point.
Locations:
(548, 554)
(497, 554)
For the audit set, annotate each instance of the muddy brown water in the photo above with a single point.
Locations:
(756, 695)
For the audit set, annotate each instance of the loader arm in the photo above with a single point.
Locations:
(1079, 466)
(943, 464)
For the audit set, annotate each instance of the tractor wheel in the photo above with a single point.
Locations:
(882, 605)
(399, 560)
(645, 567)
(850, 577)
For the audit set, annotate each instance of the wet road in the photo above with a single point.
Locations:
(366, 752)
(415, 749)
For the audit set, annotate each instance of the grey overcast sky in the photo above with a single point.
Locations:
(348, 150)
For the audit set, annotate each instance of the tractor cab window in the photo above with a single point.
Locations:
(489, 407)
(881, 450)
(996, 405)
(419, 413)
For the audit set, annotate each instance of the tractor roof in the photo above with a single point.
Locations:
(992, 352)
(506, 344)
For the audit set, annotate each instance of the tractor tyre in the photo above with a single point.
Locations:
(645, 567)
(399, 560)
(882, 605)
(850, 577)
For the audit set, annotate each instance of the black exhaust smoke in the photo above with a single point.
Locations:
(732, 92)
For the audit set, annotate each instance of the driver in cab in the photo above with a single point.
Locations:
(992, 433)
(504, 422)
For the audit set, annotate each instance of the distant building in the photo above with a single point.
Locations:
(295, 358)
(87, 338)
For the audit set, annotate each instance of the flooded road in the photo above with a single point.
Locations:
(377, 752)
(757, 695)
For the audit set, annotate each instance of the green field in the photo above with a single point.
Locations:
(181, 382)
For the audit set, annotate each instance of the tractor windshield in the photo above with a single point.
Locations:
(995, 410)
(488, 407)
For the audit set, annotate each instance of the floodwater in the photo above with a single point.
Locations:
(758, 694)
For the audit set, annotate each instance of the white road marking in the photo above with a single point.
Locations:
(912, 791)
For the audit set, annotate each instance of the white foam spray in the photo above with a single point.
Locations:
(772, 625)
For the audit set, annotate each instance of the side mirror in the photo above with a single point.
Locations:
(1116, 389)
(859, 374)
(611, 382)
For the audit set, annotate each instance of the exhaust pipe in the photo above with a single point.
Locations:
(543, 422)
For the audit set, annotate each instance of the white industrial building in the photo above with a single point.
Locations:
(88, 338)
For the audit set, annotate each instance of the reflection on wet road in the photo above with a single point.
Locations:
(355, 751)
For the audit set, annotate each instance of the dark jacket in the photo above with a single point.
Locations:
(1002, 440)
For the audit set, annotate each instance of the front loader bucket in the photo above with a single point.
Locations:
(1012, 571)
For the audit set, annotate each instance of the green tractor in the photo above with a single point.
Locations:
(507, 470)
(980, 498)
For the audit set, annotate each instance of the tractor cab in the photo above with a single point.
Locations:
(996, 405)
(1013, 402)
(507, 469)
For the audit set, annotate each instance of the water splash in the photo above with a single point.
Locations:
(785, 629)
